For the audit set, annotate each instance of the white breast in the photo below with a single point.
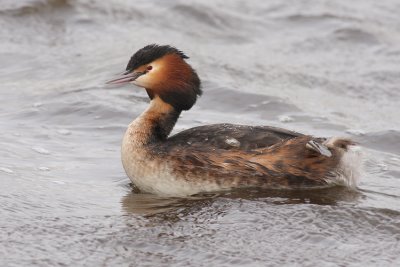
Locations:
(155, 175)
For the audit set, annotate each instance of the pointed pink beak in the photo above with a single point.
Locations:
(126, 77)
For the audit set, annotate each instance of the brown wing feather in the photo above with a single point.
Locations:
(284, 164)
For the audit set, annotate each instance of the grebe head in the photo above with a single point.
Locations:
(163, 72)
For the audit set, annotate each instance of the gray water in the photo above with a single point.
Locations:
(319, 67)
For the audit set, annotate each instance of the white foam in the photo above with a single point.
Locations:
(40, 150)
(64, 131)
(6, 170)
(285, 118)
(357, 132)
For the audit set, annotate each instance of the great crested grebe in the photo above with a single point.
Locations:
(219, 156)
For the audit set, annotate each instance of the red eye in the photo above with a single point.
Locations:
(149, 67)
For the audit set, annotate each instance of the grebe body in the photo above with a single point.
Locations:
(219, 156)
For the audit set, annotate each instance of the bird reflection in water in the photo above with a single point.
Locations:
(150, 205)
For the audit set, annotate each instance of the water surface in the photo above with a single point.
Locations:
(320, 67)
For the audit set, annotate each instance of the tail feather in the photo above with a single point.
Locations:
(349, 168)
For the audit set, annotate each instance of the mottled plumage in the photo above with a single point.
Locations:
(219, 135)
(261, 157)
(219, 156)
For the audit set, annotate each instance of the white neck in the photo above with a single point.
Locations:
(153, 125)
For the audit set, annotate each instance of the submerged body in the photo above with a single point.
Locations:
(220, 156)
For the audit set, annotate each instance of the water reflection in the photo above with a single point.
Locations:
(150, 205)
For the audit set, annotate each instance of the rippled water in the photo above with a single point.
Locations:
(319, 67)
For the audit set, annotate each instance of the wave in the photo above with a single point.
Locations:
(387, 141)
(26, 7)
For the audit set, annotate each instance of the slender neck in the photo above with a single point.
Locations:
(154, 124)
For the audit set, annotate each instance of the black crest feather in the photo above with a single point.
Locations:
(149, 53)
